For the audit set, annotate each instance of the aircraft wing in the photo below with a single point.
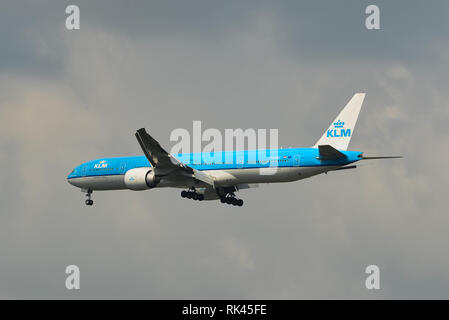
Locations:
(165, 164)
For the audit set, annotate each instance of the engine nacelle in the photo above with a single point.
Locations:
(140, 178)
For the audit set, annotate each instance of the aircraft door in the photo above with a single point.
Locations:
(122, 168)
(240, 159)
(296, 160)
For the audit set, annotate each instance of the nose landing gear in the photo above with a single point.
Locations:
(89, 201)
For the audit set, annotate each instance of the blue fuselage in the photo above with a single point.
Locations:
(227, 160)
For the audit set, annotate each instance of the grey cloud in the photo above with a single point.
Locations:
(315, 29)
(29, 35)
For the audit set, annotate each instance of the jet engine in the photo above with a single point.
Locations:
(140, 178)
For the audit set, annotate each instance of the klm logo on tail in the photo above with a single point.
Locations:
(338, 130)
(339, 133)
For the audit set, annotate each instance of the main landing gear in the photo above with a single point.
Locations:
(227, 196)
(231, 199)
(192, 194)
(89, 201)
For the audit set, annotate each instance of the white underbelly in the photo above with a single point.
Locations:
(269, 175)
(110, 182)
(222, 177)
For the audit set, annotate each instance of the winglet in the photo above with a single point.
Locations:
(147, 142)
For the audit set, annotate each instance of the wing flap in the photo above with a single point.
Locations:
(204, 177)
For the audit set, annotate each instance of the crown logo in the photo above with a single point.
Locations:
(339, 124)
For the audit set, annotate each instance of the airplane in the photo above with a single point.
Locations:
(220, 180)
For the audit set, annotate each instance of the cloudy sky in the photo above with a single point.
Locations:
(67, 97)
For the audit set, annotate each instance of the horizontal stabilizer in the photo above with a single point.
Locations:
(389, 157)
(328, 152)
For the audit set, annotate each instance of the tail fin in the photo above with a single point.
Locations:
(340, 131)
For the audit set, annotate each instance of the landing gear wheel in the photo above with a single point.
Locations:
(89, 201)
(231, 199)
(192, 194)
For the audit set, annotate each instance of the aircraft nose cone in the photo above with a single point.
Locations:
(71, 176)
